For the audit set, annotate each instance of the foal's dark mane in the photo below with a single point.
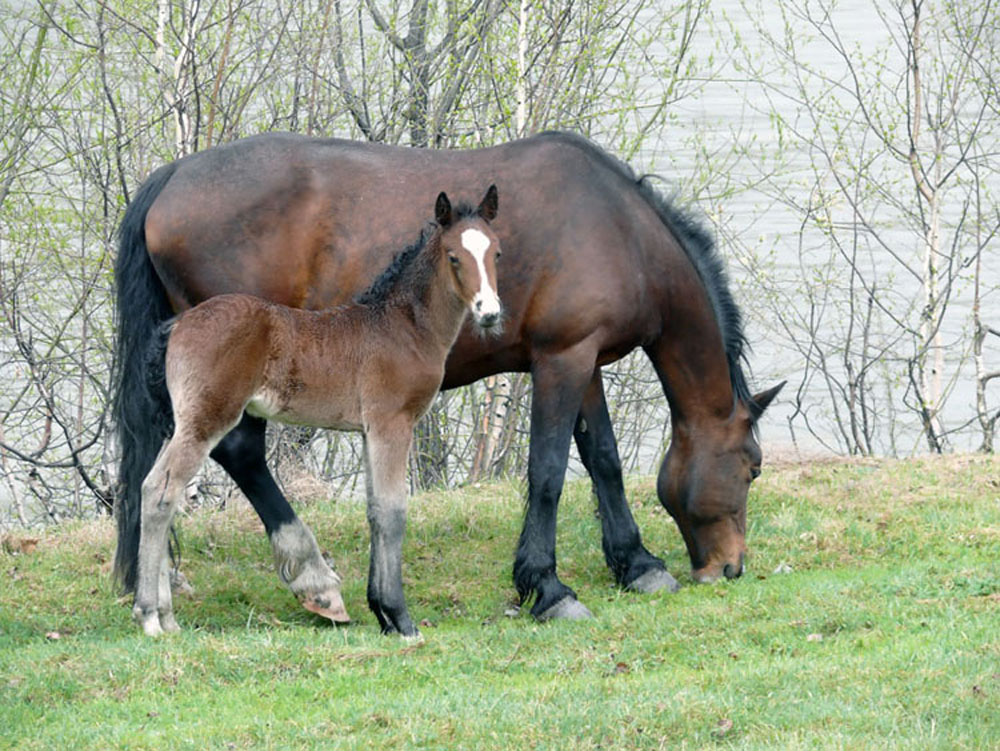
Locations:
(699, 245)
(380, 290)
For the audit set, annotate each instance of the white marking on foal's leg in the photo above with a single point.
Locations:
(162, 493)
(302, 567)
(165, 606)
(157, 510)
(486, 302)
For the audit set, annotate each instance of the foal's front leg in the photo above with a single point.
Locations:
(386, 448)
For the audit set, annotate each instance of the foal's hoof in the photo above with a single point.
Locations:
(568, 609)
(653, 581)
(169, 624)
(328, 604)
(153, 624)
(150, 626)
(179, 583)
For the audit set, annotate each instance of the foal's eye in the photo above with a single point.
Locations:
(754, 473)
(454, 260)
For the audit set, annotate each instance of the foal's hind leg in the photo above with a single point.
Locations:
(633, 566)
(162, 493)
(297, 557)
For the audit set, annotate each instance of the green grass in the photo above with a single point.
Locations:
(885, 633)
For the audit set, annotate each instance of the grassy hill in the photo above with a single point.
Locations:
(870, 618)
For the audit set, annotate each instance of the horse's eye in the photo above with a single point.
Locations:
(454, 260)
(754, 473)
(497, 256)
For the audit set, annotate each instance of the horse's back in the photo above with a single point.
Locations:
(309, 222)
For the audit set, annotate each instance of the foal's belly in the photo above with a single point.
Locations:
(312, 410)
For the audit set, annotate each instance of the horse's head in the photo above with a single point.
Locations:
(703, 483)
(472, 250)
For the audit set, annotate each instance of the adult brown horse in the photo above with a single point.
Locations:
(596, 264)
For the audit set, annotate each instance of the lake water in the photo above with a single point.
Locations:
(758, 231)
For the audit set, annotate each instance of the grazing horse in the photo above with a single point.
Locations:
(596, 264)
(373, 366)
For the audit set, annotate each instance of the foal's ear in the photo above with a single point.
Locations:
(488, 208)
(760, 402)
(442, 209)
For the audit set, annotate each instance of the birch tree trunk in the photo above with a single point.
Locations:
(930, 355)
(980, 331)
(498, 389)
(175, 81)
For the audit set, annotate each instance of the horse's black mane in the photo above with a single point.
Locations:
(699, 245)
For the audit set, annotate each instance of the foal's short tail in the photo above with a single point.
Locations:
(141, 405)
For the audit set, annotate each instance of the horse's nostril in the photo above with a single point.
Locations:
(732, 572)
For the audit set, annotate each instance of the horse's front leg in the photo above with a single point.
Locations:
(387, 445)
(558, 384)
(633, 566)
(297, 557)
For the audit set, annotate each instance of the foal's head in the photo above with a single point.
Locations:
(472, 250)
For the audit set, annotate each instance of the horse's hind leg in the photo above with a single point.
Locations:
(162, 493)
(633, 566)
(297, 557)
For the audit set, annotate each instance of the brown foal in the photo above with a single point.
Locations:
(372, 366)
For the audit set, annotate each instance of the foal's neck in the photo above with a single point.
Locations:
(424, 294)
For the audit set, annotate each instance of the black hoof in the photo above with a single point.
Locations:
(568, 608)
(653, 581)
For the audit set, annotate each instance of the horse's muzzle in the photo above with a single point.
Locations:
(731, 571)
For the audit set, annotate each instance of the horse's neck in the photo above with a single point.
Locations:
(690, 359)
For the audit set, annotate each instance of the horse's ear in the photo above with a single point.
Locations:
(442, 209)
(760, 402)
(488, 208)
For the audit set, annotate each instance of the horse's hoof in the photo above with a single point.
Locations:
(568, 609)
(653, 581)
(329, 605)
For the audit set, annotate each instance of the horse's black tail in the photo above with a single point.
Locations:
(141, 405)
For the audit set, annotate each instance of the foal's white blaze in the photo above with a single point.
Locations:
(486, 301)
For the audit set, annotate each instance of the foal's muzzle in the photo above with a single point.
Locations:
(486, 312)
(487, 320)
